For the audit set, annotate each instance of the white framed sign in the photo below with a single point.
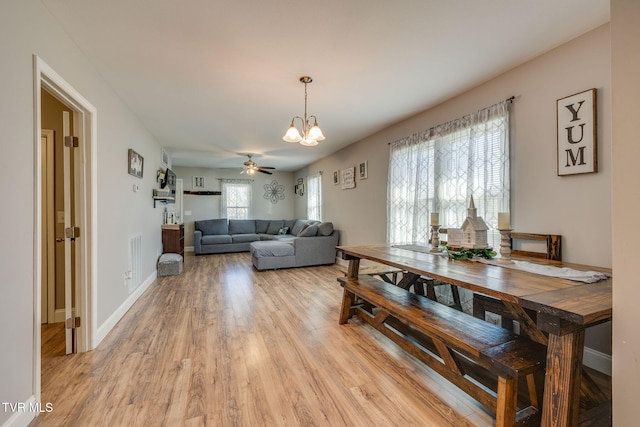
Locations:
(348, 178)
(576, 133)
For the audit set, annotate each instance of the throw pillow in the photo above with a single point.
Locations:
(283, 230)
(298, 226)
(325, 229)
(309, 231)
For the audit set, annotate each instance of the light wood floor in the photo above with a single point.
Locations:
(225, 345)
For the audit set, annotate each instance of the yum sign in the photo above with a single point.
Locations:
(577, 148)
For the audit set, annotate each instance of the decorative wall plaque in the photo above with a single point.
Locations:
(348, 178)
(576, 133)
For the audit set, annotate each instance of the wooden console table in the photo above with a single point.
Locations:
(173, 239)
(564, 310)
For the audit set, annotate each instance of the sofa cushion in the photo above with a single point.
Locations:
(215, 239)
(298, 226)
(289, 223)
(274, 227)
(325, 229)
(262, 225)
(309, 231)
(271, 249)
(212, 226)
(241, 238)
(242, 226)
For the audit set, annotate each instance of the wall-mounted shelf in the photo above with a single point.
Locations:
(203, 193)
(162, 199)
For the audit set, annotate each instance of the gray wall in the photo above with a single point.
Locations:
(26, 28)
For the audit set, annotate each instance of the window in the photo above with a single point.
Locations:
(439, 169)
(236, 199)
(314, 197)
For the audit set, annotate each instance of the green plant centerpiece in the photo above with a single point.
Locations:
(465, 253)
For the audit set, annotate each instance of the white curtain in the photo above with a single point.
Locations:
(314, 197)
(439, 169)
(236, 199)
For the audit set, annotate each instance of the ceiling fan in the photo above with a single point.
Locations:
(250, 167)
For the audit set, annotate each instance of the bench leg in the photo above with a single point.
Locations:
(533, 392)
(507, 401)
(348, 299)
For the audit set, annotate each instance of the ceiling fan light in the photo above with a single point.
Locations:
(315, 133)
(292, 135)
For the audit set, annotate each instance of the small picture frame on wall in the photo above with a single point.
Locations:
(363, 170)
(165, 158)
(348, 178)
(336, 177)
(198, 182)
(577, 133)
(135, 164)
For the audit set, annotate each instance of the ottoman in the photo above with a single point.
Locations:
(169, 265)
(272, 254)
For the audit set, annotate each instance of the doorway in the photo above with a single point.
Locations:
(79, 207)
(58, 203)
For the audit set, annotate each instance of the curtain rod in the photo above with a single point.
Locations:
(509, 100)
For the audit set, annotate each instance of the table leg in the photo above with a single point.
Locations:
(561, 400)
(354, 266)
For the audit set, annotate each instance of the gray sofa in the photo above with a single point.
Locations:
(278, 243)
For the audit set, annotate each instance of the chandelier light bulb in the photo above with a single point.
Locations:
(308, 142)
(315, 133)
(293, 134)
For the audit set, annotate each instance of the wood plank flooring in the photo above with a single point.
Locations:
(225, 345)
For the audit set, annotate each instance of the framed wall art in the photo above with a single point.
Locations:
(165, 158)
(135, 164)
(336, 177)
(577, 133)
(348, 178)
(197, 182)
(363, 170)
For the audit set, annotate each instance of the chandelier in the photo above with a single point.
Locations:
(311, 134)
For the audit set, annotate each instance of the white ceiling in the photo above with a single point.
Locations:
(214, 78)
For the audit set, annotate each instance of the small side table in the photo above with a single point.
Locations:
(173, 239)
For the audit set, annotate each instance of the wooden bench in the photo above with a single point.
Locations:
(460, 347)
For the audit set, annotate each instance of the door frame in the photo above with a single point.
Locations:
(49, 214)
(84, 122)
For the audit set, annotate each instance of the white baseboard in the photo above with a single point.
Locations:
(189, 249)
(597, 360)
(109, 324)
(23, 415)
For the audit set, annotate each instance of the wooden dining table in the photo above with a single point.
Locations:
(564, 310)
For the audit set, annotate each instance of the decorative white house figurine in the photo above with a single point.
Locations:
(472, 234)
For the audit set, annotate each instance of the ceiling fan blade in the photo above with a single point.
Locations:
(266, 167)
(264, 171)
